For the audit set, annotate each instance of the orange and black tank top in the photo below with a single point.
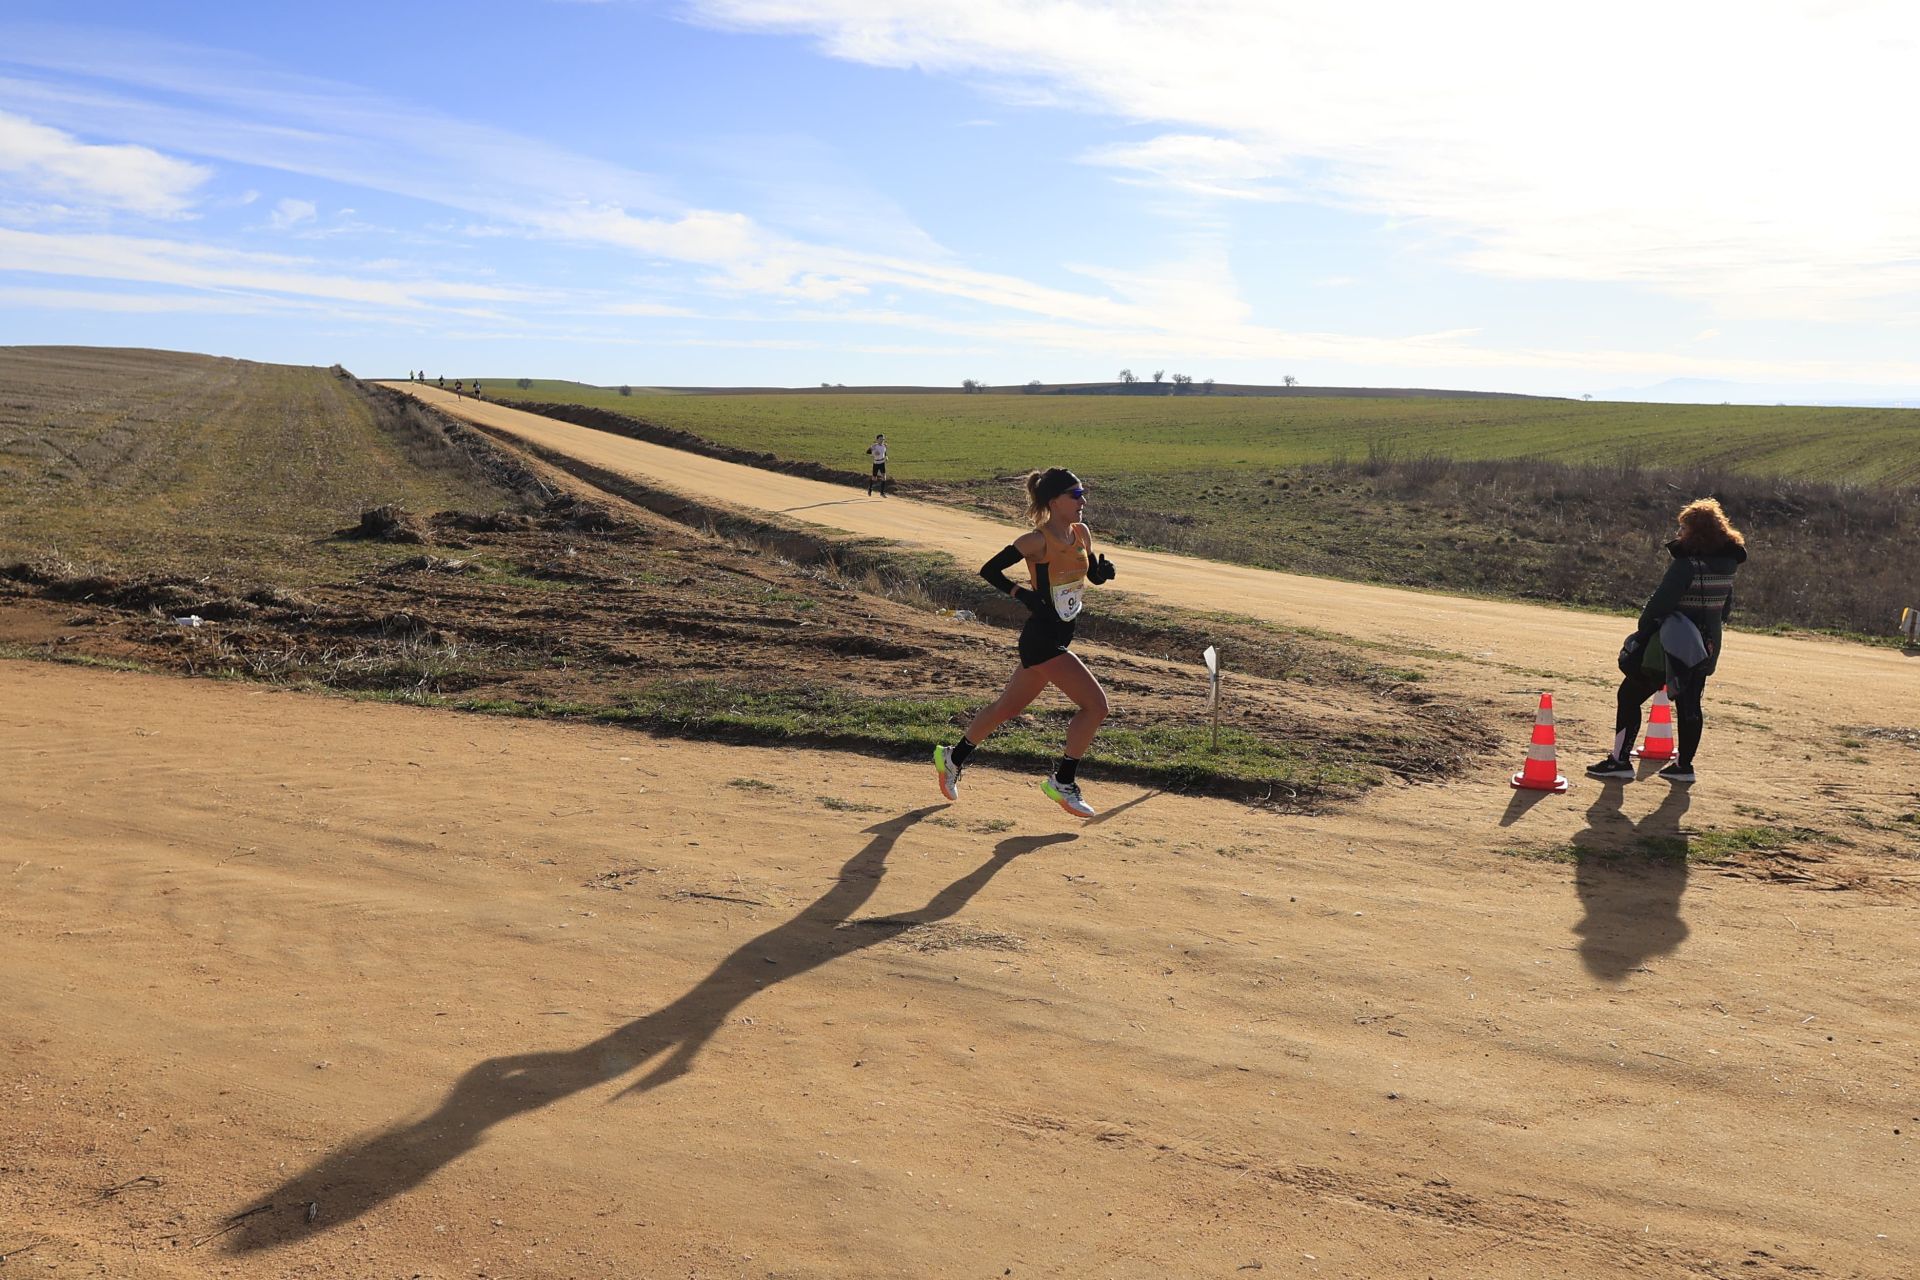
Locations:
(1060, 575)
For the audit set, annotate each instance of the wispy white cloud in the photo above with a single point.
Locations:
(141, 303)
(1224, 168)
(55, 164)
(185, 265)
(1717, 150)
(1195, 293)
(288, 214)
(652, 310)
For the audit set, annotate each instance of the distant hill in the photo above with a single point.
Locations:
(1717, 391)
(1142, 388)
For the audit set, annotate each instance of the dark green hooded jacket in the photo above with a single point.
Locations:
(1700, 585)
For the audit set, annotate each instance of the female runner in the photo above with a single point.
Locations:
(1060, 562)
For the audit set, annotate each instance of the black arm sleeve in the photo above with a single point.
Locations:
(995, 570)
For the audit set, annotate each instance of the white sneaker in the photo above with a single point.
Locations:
(1067, 796)
(949, 772)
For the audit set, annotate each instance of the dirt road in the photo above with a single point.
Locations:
(518, 999)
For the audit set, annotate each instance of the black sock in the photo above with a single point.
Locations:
(1064, 771)
(960, 750)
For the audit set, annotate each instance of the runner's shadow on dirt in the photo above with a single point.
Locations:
(1108, 815)
(368, 1173)
(1630, 877)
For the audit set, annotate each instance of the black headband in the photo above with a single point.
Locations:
(1054, 483)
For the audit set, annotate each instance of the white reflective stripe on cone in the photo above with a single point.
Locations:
(1541, 751)
(1545, 716)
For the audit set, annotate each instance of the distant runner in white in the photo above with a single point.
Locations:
(878, 452)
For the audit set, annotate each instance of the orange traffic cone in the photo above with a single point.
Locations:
(1659, 729)
(1542, 772)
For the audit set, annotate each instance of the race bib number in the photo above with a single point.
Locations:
(1066, 601)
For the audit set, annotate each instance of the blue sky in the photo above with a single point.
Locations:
(1504, 196)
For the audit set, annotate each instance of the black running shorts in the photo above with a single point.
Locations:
(1043, 639)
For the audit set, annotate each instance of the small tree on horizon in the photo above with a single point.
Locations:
(625, 390)
(1159, 374)
(970, 385)
(1033, 387)
(1206, 387)
(1127, 376)
(525, 384)
(1290, 380)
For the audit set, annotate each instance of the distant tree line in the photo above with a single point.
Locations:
(1176, 384)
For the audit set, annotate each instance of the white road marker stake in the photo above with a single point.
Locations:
(1212, 659)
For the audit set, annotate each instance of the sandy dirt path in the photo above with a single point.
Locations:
(521, 999)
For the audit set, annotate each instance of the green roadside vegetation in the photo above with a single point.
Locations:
(1178, 755)
(1704, 848)
(961, 439)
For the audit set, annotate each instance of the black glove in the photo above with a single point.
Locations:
(1101, 570)
(1030, 598)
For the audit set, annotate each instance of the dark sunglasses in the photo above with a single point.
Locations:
(1078, 491)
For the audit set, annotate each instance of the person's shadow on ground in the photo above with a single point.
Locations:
(369, 1172)
(1630, 877)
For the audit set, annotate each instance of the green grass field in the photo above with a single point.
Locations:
(961, 438)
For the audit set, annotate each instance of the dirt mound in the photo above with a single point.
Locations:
(431, 564)
(569, 511)
(280, 598)
(58, 579)
(389, 523)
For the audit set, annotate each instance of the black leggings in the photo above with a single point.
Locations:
(1684, 685)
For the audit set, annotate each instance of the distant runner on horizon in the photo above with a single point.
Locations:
(1060, 562)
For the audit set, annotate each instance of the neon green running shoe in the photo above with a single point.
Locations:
(949, 772)
(1067, 796)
